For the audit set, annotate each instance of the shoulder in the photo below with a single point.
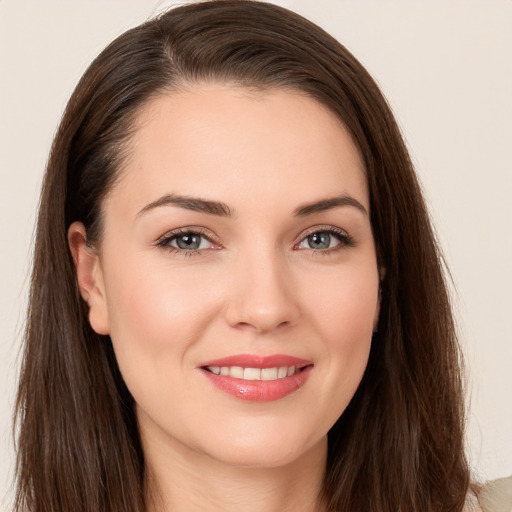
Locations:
(496, 495)
(472, 502)
(493, 496)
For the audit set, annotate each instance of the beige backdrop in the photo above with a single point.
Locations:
(446, 69)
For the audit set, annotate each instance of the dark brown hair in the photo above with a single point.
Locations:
(399, 444)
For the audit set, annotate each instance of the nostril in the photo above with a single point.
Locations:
(259, 325)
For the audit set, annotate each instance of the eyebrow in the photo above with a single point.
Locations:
(328, 204)
(223, 210)
(190, 203)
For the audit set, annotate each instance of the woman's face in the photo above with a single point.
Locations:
(237, 274)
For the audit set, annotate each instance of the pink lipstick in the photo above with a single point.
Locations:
(257, 378)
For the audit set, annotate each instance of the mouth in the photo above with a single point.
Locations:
(256, 378)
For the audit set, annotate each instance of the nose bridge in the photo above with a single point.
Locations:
(262, 297)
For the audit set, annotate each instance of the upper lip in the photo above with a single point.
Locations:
(257, 361)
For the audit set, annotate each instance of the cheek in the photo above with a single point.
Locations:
(343, 314)
(156, 300)
(155, 316)
(346, 305)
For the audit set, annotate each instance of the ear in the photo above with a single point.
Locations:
(89, 274)
(382, 275)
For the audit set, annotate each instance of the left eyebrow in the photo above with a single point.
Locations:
(328, 204)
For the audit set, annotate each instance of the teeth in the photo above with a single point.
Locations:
(252, 374)
(238, 372)
(269, 373)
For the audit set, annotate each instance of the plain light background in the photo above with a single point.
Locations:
(446, 69)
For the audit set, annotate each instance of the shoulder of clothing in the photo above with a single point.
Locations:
(472, 504)
(492, 496)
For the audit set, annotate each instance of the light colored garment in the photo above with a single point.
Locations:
(496, 495)
(472, 504)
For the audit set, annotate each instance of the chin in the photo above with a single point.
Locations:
(260, 451)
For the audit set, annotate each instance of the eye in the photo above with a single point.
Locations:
(325, 239)
(187, 242)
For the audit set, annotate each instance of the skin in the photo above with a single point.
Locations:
(257, 287)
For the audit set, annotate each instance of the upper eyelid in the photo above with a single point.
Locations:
(187, 230)
(323, 228)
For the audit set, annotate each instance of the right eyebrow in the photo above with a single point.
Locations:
(189, 203)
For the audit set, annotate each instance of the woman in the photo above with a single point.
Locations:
(237, 300)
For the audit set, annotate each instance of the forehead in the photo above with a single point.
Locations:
(231, 143)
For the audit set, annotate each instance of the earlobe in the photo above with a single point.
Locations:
(89, 275)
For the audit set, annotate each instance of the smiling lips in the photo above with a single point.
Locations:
(258, 379)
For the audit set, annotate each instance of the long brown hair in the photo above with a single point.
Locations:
(399, 444)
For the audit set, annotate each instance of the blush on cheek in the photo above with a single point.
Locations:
(350, 319)
(160, 313)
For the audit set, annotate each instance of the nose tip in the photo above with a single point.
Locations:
(259, 320)
(263, 299)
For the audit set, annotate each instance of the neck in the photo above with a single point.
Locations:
(180, 479)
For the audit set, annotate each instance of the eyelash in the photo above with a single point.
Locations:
(346, 240)
(342, 236)
(169, 237)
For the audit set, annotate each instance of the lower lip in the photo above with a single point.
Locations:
(259, 390)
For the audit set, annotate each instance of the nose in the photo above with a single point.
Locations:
(262, 296)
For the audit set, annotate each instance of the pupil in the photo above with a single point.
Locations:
(188, 241)
(319, 240)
